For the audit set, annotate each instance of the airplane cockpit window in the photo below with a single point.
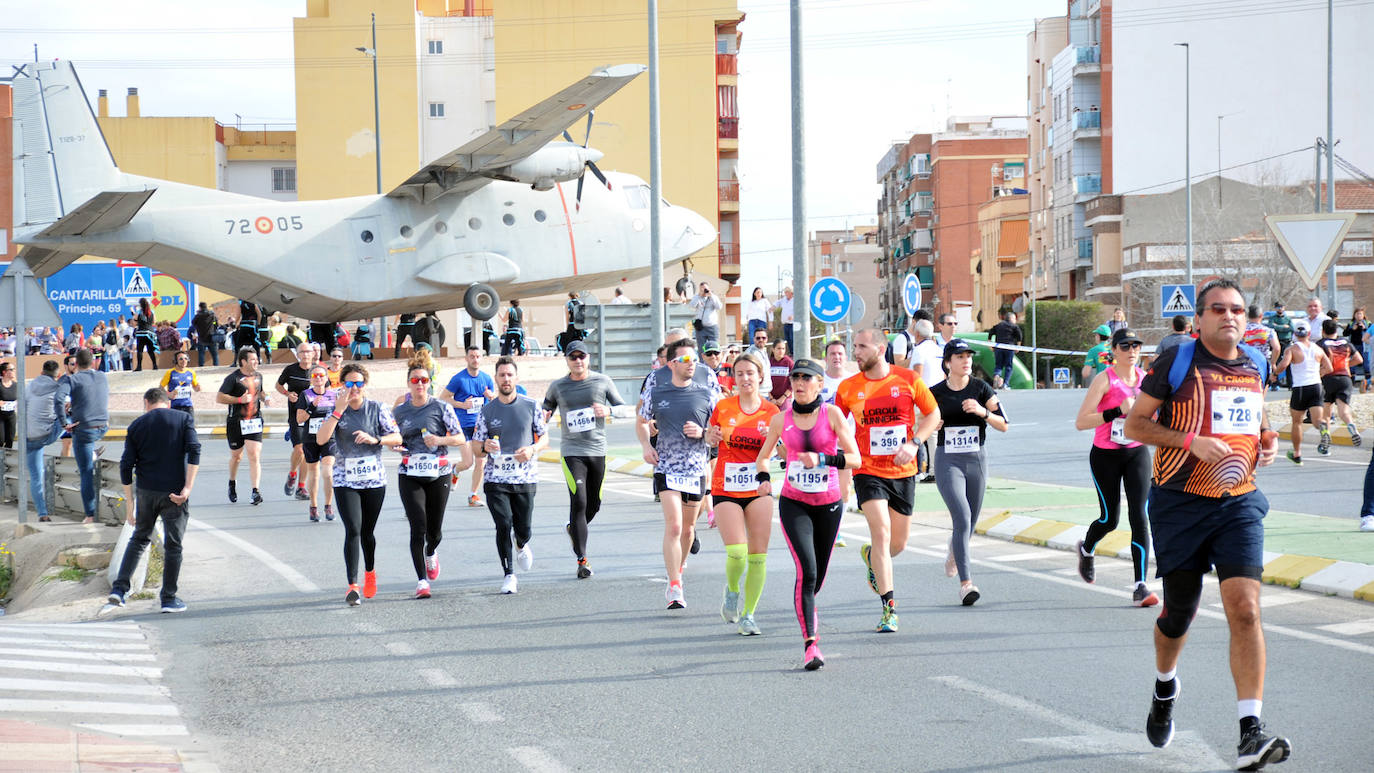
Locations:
(637, 196)
(366, 237)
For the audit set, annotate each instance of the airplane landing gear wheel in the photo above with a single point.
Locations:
(481, 301)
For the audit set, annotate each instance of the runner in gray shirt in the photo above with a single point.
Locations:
(583, 399)
(511, 430)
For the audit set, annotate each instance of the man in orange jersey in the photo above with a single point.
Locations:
(884, 401)
(1205, 511)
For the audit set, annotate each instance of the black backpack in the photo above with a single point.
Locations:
(910, 347)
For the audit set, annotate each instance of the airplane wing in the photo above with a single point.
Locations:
(517, 138)
(104, 211)
(46, 262)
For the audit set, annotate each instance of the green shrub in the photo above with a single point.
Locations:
(1065, 325)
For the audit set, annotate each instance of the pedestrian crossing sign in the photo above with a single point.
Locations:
(1177, 300)
(138, 282)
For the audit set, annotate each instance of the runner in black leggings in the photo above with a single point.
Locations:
(359, 427)
(429, 428)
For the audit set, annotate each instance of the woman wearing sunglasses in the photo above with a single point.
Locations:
(968, 406)
(428, 429)
(819, 444)
(312, 408)
(360, 427)
(738, 427)
(336, 361)
(1116, 461)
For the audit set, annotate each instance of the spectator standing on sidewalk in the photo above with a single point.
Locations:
(162, 448)
(43, 404)
(89, 390)
(707, 323)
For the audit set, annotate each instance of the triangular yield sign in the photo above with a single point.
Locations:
(1310, 241)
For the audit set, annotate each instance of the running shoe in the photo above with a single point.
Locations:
(353, 598)
(314, 514)
(696, 544)
(510, 584)
(1159, 725)
(524, 558)
(839, 540)
(173, 606)
(432, 566)
(422, 589)
(369, 584)
(747, 626)
(1143, 596)
(1367, 523)
(301, 494)
(969, 595)
(255, 497)
(729, 607)
(1294, 458)
(1355, 438)
(951, 568)
(329, 512)
(1086, 569)
(290, 484)
(115, 599)
(812, 660)
(872, 578)
(1256, 749)
(474, 500)
(1324, 444)
(674, 596)
(233, 493)
(889, 622)
(583, 570)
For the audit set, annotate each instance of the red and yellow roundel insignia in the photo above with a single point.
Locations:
(577, 106)
(263, 224)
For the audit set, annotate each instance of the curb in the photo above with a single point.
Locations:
(1339, 435)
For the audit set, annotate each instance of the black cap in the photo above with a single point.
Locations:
(575, 346)
(956, 346)
(1125, 335)
(809, 367)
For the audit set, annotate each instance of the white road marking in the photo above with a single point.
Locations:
(103, 646)
(437, 677)
(479, 712)
(399, 648)
(1352, 628)
(37, 706)
(1278, 598)
(136, 730)
(1018, 557)
(1334, 461)
(297, 580)
(145, 672)
(92, 688)
(535, 759)
(1022, 705)
(112, 657)
(96, 631)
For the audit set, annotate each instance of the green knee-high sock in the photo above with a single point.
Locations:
(753, 584)
(734, 565)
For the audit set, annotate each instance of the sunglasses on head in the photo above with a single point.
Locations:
(355, 384)
(419, 379)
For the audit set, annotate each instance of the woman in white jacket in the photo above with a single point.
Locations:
(758, 312)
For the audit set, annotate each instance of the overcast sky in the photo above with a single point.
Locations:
(875, 71)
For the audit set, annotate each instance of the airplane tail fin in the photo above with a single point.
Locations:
(61, 158)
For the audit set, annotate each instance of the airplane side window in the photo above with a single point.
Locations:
(406, 231)
(539, 216)
(508, 219)
(637, 196)
(366, 237)
(440, 227)
(475, 223)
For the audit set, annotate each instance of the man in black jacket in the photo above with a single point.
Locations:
(1005, 332)
(162, 447)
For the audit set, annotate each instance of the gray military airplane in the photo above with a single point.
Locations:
(491, 218)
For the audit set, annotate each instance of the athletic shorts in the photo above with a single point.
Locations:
(661, 485)
(295, 432)
(1305, 397)
(186, 409)
(1197, 533)
(899, 493)
(743, 502)
(236, 438)
(314, 452)
(1338, 387)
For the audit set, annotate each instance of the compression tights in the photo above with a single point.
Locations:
(1112, 469)
(810, 533)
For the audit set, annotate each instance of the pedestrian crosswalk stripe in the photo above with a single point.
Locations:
(110, 657)
(145, 672)
(89, 688)
(95, 631)
(140, 730)
(48, 706)
(103, 646)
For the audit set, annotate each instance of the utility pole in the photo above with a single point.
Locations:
(801, 281)
(1330, 150)
(656, 310)
(1187, 155)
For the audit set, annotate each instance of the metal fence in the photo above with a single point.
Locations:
(62, 486)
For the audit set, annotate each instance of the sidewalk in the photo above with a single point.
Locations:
(1323, 555)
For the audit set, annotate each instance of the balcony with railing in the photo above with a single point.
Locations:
(1087, 125)
(727, 128)
(1087, 185)
(729, 195)
(1087, 60)
(729, 260)
(725, 64)
(1085, 251)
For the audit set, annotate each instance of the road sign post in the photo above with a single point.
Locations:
(830, 300)
(1061, 377)
(1177, 300)
(22, 305)
(1310, 242)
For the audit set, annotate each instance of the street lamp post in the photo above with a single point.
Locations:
(1187, 156)
(376, 106)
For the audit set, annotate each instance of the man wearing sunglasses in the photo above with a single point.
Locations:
(1208, 421)
(467, 392)
(295, 379)
(583, 399)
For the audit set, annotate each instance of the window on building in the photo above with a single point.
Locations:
(436, 109)
(726, 106)
(436, 47)
(284, 179)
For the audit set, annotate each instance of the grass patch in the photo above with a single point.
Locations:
(73, 574)
(6, 570)
(153, 578)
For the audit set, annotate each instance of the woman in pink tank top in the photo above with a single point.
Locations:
(1117, 461)
(819, 443)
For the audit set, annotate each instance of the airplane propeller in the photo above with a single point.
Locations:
(591, 164)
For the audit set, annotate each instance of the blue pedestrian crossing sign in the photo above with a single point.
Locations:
(830, 300)
(138, 282)
(1061, 376)
(911, 294)
(1177, 300)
